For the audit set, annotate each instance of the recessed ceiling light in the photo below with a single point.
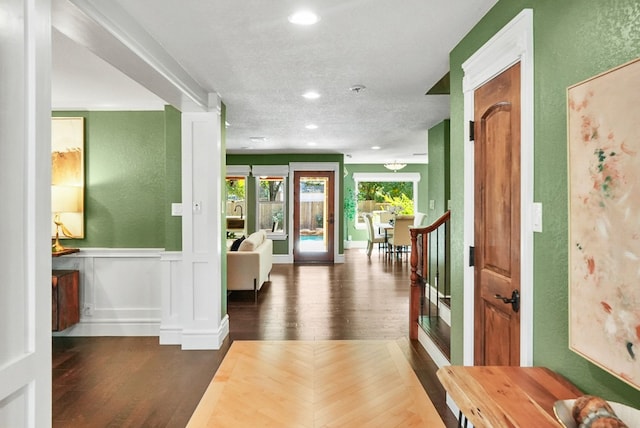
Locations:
(311, 143)
(375, 147)
(311, 95)
(258, 139)
(312, 126)
(304, 17)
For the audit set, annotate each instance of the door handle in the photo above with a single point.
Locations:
(514, 300)
(330, 219)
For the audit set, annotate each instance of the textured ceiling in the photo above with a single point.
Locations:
(260, 65)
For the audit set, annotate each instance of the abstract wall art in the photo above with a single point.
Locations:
(604, 220)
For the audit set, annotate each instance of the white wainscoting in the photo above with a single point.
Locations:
(120, 291)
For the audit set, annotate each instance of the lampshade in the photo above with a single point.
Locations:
(395, 165)
(66, 199)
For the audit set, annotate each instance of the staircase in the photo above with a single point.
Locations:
(430, 289)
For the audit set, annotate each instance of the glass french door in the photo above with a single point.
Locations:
(313, 217)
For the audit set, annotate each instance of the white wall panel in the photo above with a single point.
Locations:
(171, 323)
(120, 291)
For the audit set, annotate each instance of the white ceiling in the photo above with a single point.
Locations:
(260, 64)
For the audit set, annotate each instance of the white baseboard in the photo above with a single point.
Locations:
(202, 339)
(355, 244)
(445, 312)
(170, 335)
(282, 259)
(112, 328)
(441, 361)
(432, 349)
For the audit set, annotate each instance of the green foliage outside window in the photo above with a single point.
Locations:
(379, 191)
(235, 189)
(402, 205)
(395, 196)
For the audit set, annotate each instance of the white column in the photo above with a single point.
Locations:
(203, 324)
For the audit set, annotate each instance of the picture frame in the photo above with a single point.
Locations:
(67, 177)
(604, 214)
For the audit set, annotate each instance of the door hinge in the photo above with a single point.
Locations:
(472, 132)
(472, 256)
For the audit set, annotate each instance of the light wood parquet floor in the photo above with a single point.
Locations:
(311, 384)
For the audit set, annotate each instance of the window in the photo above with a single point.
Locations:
(271, 199)
(236, 200)
(385, 194)
(236, 196)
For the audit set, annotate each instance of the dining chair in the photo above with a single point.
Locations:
(401, 239)
(372, 236)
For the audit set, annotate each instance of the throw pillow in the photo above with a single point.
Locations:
(236, 244)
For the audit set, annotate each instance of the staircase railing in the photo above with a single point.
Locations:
(429, 266)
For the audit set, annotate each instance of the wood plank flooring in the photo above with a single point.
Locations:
(135, 382)
(311, 384)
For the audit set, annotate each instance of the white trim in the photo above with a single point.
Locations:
(238, 170)
(434, 296)
(117, 252)
(414, 177)
(106, 327)
(511, 44)
(432, 349)
(279, 235)
(170, 335)
(270, 170)
(206, 339)
(274, 236)
(282, 259)
(319, 166)
(387, 176)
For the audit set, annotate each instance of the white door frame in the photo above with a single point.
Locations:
(25, 265)
(512, 44)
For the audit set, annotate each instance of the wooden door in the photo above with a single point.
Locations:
(313, 217)
(497, 219)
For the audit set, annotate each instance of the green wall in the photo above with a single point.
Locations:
(124, 179)
(349, 185)
(173, 177)
(439, 189)
(573, 40)
(281, 247)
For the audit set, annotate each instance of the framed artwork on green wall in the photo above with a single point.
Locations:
(67, 177)
(604, 214)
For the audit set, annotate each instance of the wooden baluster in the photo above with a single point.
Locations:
(416, 292)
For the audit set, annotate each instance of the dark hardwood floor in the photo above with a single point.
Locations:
(135, 382)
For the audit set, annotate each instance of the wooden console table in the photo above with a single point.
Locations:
(502, 396)
(64, 252)
(65, 300)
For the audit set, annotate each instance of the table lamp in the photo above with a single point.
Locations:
(64, 199)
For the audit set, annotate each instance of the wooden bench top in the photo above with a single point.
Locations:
(501, 396)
